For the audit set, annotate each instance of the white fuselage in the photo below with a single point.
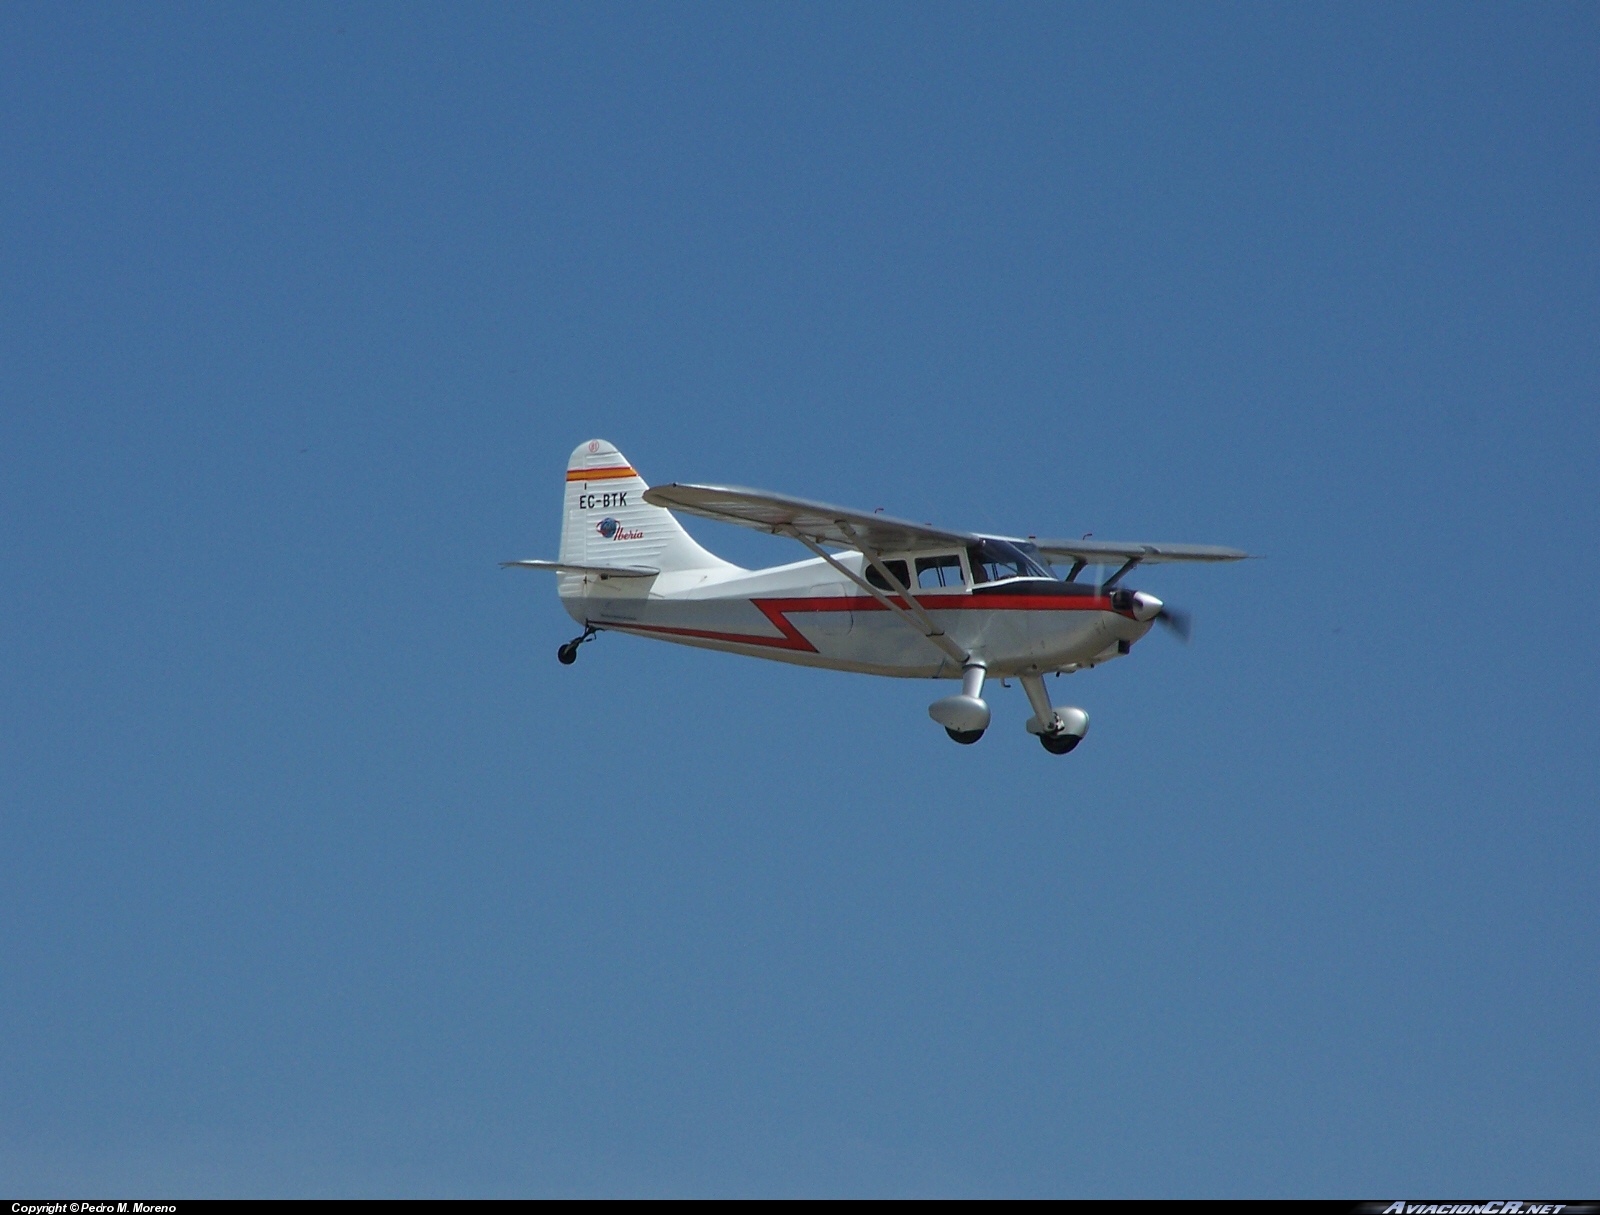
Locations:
(810, 613)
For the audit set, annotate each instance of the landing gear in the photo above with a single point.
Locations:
(964, 717)
(568, 653)
(1059, 730)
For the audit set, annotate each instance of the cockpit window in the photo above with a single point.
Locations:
(897, 568)
(943, 570)
(996, 560)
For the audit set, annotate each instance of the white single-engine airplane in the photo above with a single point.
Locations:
(900, 599)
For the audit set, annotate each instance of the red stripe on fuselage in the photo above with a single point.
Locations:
(772, 609)
(776, 611)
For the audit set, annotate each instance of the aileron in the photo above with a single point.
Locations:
(1102, 552)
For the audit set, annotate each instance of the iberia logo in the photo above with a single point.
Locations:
(612, 530)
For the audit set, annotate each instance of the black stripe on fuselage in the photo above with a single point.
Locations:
(1038, 586)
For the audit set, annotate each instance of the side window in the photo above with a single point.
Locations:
(897, 568)
(941, 571)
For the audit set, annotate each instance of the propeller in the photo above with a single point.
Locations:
(1146, 606)
(1180, 623)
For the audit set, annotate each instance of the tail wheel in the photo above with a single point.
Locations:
(568, 653)
(965, 737)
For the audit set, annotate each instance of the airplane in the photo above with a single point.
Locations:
(890, 598)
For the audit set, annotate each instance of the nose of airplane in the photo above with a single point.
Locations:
(1145, 606)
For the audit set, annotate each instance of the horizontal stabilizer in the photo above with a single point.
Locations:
(1099, 552)
(603, 571)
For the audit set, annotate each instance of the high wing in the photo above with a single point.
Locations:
(815, 521)
(1100, 552)
(843, 528)
(604, 571)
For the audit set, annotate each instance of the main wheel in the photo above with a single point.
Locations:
(1060, 744)
(965, 737)
(567, 654)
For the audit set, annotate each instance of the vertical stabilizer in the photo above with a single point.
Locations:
(608, 522)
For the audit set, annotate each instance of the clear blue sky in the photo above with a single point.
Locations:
(322, 876)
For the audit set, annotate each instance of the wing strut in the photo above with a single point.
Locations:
(921, 621)
(1117, 577)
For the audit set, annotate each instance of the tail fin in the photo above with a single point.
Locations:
(608, 522)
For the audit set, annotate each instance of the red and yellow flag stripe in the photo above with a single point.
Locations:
(599, 474)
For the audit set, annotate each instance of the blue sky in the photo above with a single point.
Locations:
(322, 877)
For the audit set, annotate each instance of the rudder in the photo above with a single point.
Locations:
(606, 520)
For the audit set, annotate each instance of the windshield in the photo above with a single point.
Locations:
(994, 560)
